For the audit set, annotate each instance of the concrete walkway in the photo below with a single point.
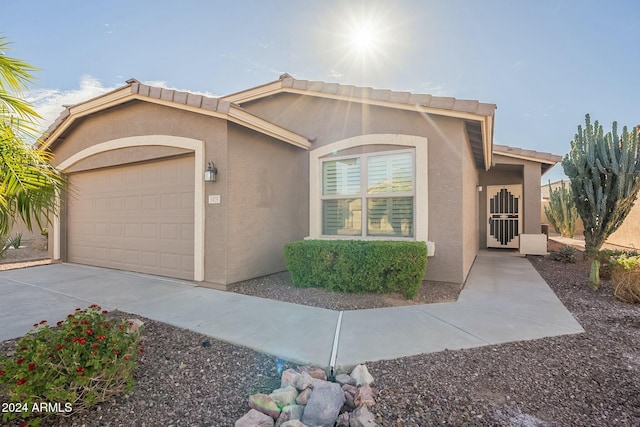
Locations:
(504, 300)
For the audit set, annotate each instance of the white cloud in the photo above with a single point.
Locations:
(49, 103)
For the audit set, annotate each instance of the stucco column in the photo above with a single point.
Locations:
(532, 202)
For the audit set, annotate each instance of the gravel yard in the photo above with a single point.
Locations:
(591, 379)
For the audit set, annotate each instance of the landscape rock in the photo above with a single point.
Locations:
(362, 417)
(362, 376)
(324, 405)
(134, 325)
(289, 377)
(364, 396)
(293, 423)
(350, 396)
(265, 404)
(303, 397)
(345, 379)
(351, 389)
(304, 381)
(289, 413)
(284, 396)
(315, 372)
(255, 418)
(343, 420)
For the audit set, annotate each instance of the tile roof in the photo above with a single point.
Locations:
(286, 83)
(540, 156)
(135, 87)
(201, 103)
(547, 160)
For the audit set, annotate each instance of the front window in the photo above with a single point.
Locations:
(369, 195)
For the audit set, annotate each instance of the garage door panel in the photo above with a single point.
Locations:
(135, 217)
(115, 255)
(132, 230)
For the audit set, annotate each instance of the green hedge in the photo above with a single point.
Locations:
(358, 266)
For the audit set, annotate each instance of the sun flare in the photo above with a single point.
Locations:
(364, 38)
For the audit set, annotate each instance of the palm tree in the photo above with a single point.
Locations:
(28, 182)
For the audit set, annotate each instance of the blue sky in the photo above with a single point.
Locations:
(544, 63)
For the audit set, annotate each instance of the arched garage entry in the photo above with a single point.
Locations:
(145, 217)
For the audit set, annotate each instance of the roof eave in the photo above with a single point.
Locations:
(538, 157)
(208, 106)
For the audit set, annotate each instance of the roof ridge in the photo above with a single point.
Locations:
(287, 82)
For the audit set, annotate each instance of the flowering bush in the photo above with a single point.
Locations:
(82, 361)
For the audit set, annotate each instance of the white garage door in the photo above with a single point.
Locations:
(137, 217)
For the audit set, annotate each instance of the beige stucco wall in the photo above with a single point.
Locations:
(124, 156)
(268, 204)
(470, 214)
(325, 121)
(532, 199)
(628, 235)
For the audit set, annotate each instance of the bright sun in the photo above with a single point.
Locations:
(364, 38)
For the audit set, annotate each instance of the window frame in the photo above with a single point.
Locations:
(365, 196)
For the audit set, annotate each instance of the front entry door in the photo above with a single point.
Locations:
(504, 210)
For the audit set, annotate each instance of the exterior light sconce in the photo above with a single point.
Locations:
(211, 173)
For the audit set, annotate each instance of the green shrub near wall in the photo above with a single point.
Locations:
(358, 266)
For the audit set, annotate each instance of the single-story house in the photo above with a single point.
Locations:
(292, 159)
(625, 237)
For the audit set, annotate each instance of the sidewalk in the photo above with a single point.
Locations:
(503, 300)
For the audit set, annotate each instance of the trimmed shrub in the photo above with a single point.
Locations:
(82, 361)
(358, 266)
(626, 278)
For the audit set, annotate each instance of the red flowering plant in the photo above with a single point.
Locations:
(82, 361)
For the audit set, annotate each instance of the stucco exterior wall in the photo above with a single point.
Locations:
(268, 204)
(532, 199)
(447, 153)
(124, 156)
(325, 121)
(469, 211)
(628, 235)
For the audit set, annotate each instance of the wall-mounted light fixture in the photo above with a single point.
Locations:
(211, 173)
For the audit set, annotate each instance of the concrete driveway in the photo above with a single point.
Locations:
(504, 300)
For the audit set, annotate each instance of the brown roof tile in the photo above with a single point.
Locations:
(523, 152)
(194, 100)
(446, 103)
(419, 99)
(384, 95)
(209, 103)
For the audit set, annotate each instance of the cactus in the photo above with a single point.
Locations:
(604, 170)
(594, 275)
(561, 211)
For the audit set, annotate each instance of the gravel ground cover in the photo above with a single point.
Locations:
(590, 379)
(33, 253)
(279, 286)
